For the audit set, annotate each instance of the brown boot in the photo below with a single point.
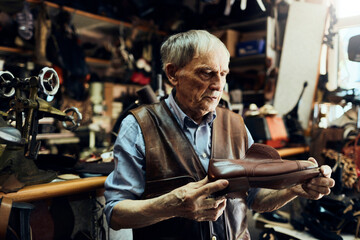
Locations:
(262, 167)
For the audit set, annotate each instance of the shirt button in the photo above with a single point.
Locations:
(204, 155)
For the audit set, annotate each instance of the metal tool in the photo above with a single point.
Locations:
(27, 103)
(28, 108)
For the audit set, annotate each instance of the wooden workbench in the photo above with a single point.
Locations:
(70, 187)
(56, 189)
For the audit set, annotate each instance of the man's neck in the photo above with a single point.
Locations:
(196, 117)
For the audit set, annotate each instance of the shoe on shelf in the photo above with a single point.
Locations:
(262, 167)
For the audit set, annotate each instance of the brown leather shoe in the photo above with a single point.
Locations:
(262, 167)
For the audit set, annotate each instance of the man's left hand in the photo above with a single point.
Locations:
(317, 187)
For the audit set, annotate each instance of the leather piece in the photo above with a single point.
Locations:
(229, 136)
(228, 168)
(260, 160)
(261, 167)
(9, 183)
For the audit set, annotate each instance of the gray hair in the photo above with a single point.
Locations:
(180, 49)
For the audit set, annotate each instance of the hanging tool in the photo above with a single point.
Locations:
(243, 4)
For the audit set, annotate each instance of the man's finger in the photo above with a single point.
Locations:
(322, 182)
(212, 187)
(200, 183)
(311, 159)
(212, 203)
(326, 171)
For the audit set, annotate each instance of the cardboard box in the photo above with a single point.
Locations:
(230, 38)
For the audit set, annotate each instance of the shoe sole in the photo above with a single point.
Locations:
(239, 186)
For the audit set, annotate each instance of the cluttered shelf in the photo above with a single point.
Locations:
(90, 21)
(69, 187)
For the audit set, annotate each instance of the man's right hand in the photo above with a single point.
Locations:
(192, 201)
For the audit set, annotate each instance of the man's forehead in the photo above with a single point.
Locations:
(211, 62)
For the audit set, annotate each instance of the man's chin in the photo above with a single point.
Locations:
(210, 108)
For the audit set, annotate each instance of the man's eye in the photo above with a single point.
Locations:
(206, 74)
(224, 74)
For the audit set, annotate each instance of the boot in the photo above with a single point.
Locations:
(262, 167)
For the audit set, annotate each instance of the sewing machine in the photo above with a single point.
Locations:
(26, 108)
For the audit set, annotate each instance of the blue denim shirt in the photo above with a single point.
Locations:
(127, 181)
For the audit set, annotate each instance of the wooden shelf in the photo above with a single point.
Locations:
(85, 21)
(17, 51)
(96, 62)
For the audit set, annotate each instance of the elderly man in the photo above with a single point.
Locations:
(159, 187)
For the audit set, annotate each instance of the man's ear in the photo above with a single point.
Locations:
(170, 71)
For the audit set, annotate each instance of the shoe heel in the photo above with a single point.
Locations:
(237, 188)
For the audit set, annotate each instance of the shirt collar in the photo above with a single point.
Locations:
(182, 117)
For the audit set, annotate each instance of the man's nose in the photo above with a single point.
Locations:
(217, 83)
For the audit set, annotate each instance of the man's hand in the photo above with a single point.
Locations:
(192, 200)
(268, 200)
(317, 187)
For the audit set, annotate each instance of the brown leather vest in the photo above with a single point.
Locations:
(172, 162)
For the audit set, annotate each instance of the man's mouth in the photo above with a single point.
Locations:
(212, 98)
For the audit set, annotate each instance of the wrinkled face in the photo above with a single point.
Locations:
(199, 85)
